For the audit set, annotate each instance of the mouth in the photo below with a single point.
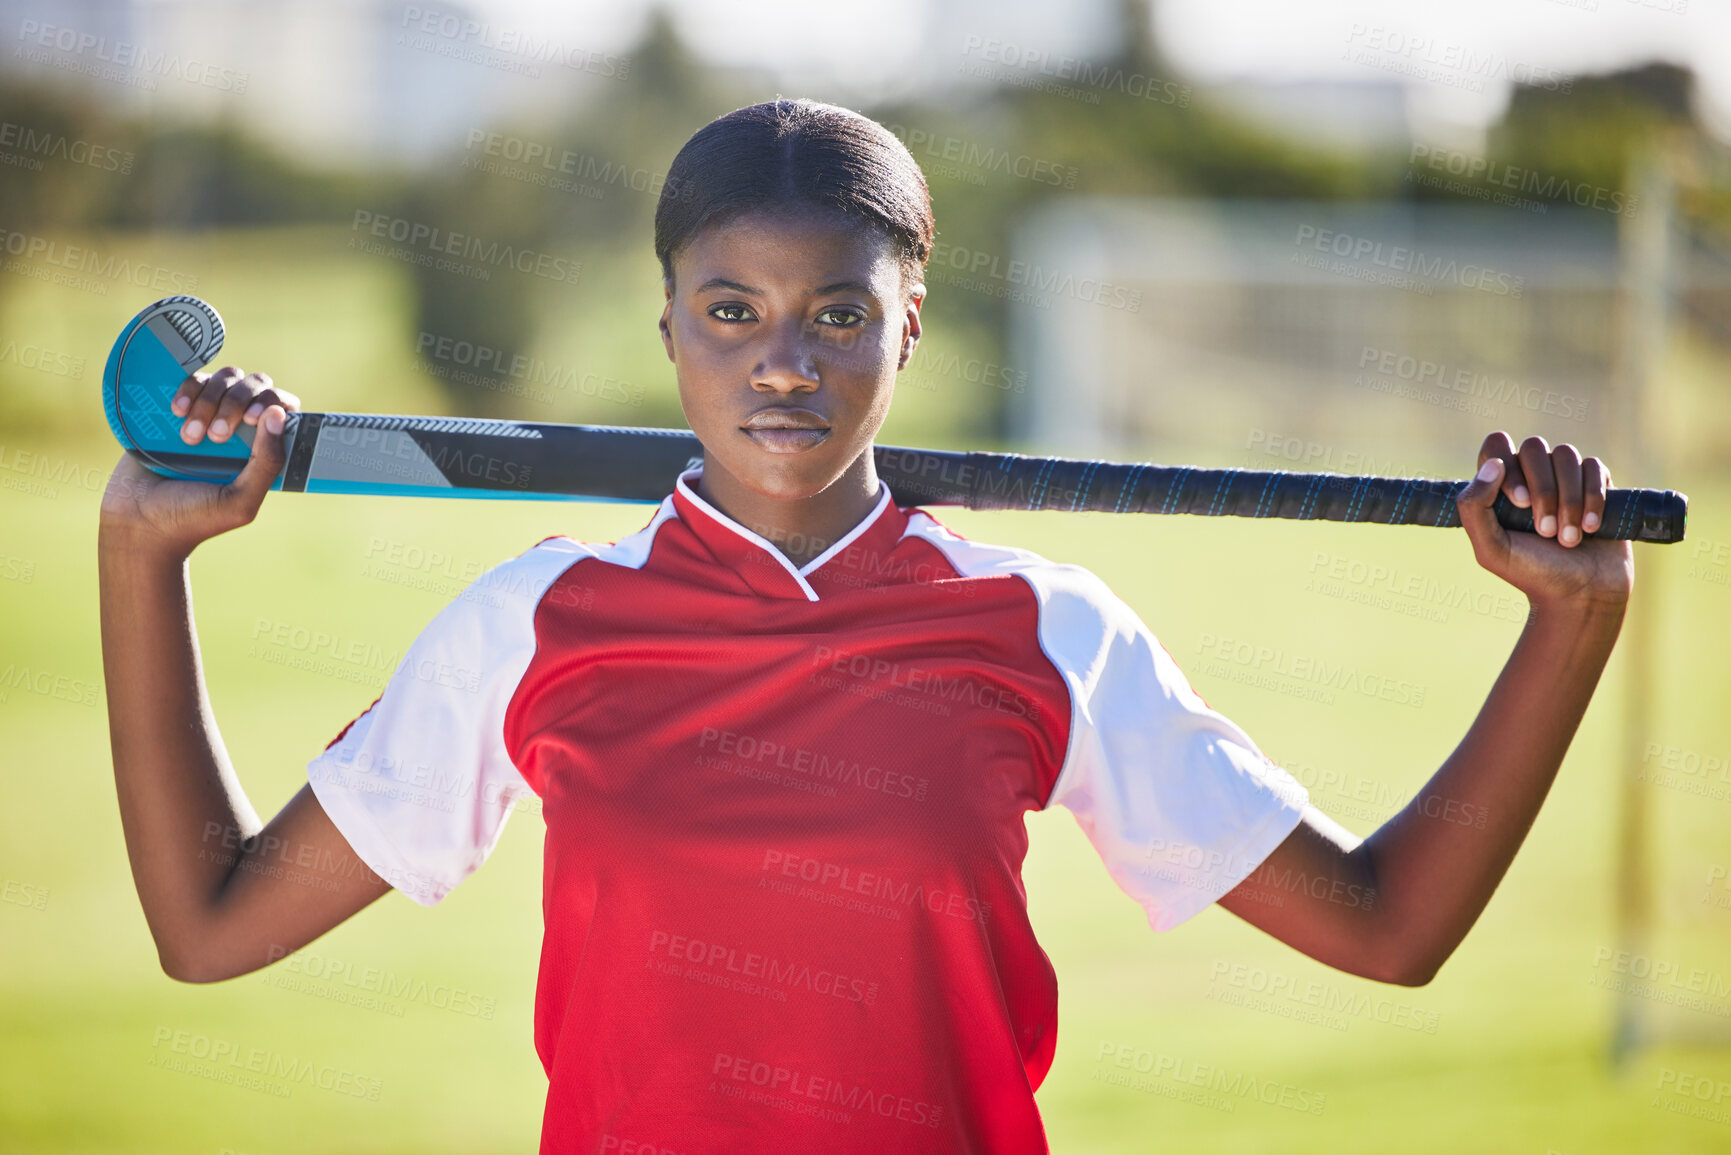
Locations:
(786, 430)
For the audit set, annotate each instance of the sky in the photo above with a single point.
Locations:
(1457, 57)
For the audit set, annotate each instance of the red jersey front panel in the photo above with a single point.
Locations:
(782, 891)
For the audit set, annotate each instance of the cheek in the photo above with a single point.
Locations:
(870, 351)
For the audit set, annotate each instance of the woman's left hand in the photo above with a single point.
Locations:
(1562, 563)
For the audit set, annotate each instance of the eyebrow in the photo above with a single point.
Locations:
(724, 283)
(820, 291)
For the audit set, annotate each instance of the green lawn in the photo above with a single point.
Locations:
(1516, 1060)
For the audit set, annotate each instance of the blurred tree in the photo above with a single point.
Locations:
(1588, 135)
(620, 145)
(41, 186)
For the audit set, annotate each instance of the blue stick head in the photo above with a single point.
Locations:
(162, 346)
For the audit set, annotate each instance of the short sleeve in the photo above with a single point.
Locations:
(1176, 799)
(421, 783)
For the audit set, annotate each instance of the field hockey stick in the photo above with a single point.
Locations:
(373, 453)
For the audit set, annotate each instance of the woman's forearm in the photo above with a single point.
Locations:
(1437, 863)
(182, 808)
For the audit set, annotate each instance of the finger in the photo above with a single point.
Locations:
(1475, 504)
(1566, 467)
(1502, 447)
(263, 464)
(205, 403)
(189, 388)
(1594, 482)
(242, 395)
(1542, 483)
(279, 396)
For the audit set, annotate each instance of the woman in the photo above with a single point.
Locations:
(785, 735)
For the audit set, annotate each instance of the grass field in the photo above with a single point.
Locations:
(1504, 1052)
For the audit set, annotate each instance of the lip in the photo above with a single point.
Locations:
(786, 429)
(785, 417)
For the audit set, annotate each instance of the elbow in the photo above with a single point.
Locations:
(1418, 975)
(182, 969)
(1406, 968)
(184, 966)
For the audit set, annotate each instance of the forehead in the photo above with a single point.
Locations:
(792, 250)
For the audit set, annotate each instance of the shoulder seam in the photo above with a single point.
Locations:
(1029, 561)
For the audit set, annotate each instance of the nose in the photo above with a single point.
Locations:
(787, 358)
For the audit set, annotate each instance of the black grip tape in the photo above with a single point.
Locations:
(300, 462)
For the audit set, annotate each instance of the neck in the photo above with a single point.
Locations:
(802, 527)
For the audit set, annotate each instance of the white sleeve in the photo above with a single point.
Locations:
(421, 782)
(1177, 800)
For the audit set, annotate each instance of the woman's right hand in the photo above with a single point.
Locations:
(177, 515)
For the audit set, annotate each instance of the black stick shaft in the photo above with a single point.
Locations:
(549, 459)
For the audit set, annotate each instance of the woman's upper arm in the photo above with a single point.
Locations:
(293, 881)
(1316, 892)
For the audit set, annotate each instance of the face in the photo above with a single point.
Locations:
(786, 330)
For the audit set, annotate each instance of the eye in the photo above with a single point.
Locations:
(730, 311)
(840, 317)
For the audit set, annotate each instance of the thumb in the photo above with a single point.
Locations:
(265, 462)
(1475, 502)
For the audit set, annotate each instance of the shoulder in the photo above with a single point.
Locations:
(1067, 593)
(520, 582)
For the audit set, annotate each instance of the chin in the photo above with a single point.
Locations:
(785, 477)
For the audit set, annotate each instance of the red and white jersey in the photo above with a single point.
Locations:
(784, 805)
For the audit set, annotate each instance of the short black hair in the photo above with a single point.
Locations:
(796, 153)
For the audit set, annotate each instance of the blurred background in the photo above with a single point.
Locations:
(1337, 236)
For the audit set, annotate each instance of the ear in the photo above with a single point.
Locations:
(911, 325)
(666, 323)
